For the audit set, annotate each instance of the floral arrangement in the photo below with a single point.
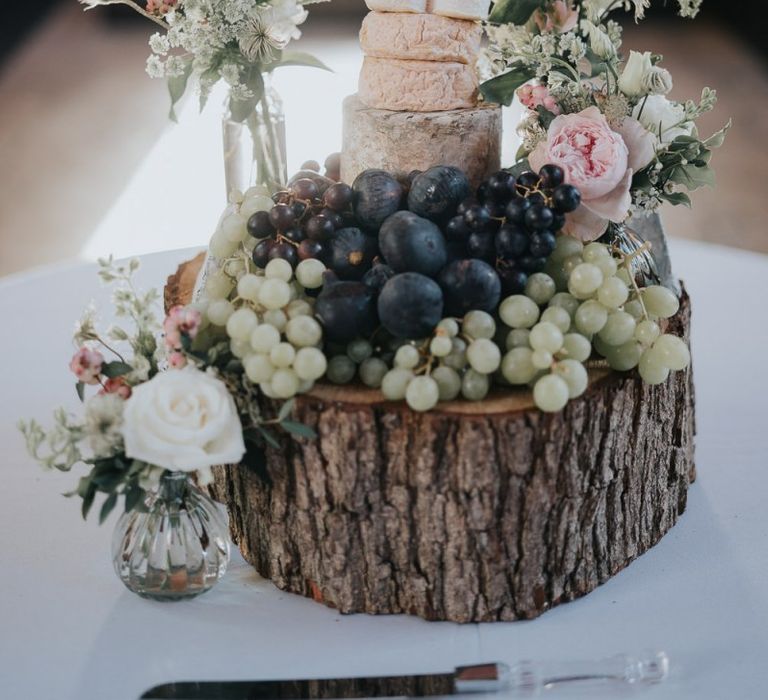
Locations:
(160, 406)
(235, 41)
(607, 121)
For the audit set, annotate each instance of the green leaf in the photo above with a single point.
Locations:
(270, 439)
(501, 89)
(717, 139)
(80, 389)
(240, 110)
(299, 429)
(116, 369)
(677, 198)
(285, 410)
(107, 507)
(85, 508)
(298, 58)
(693, 178)
(514, 11)
(133, 496)
(177, 86)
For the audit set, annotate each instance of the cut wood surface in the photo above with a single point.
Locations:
(475, 512)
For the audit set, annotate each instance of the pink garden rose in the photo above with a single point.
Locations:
(86, 365)
(600, 162)
(533, 96)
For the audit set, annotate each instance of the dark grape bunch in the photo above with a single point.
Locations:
(512, 222)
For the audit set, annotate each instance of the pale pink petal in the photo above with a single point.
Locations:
(584, 225)
(539, 156)
(640, 142)
(616, 204)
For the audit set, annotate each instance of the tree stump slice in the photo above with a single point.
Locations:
(471, 513)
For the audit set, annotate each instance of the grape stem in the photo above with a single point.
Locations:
(627, 263)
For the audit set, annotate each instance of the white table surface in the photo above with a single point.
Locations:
(70, 629)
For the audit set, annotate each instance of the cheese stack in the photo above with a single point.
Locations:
(420, 55)
(417, 104)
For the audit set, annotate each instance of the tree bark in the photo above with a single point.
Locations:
(472, 513)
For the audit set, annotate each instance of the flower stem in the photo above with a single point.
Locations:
(134, 6)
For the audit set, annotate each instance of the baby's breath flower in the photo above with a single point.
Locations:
(155, 67)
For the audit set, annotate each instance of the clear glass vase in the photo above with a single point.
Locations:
(255, 149)
(176, 546)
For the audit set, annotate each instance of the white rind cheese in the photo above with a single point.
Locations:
(397, 5)
(420, 37)
(417, 86)
(460, 9)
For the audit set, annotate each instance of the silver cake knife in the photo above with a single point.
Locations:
(525, 679)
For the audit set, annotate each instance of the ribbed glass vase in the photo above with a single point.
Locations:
(176, 546)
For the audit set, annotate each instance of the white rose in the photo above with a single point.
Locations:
(183, 420)
(632, 80)
(664, 119)
(658, 81)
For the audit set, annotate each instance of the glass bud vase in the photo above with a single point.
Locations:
(176, 546)
(255, 149)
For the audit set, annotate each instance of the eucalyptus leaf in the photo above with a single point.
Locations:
(501, 89)
(693, 178)
(85, 507)
(177, 86)
(269, 438)
(717, 139)
(299, 429)
(80, 389)
(285, 410)
(514, 11)
(116, 369)
(107, 507)
(677, 198)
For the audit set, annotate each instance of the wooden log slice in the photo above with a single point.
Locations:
(471, 513)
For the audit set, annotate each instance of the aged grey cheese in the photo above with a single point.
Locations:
(417, 86)
(400, 142)
(420, 37)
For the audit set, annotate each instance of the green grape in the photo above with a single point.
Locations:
(264, 338)
(258, 368)
(449, 327)
(647, 332)
(299, 307)
(407, 357)
(478, 324)
(441, 346)
(541, 288)
(276, 318)
(235, 268)
(542, 359)
(241, 324)
(274, 294)
(519, 312)
(546, 336)
(618, 329)
(359, 350)
(240, 348)
(484, 356)
(219, 312)
(218, 286)
(279, 269)
(608, 266)
(372, 372)
(518, 338)
(625, 357)
(448, 383)
(625, 275)
(220, 246)
(551, 393)
(458, 357)
(309, 273)
(233, 228)
(591, 317)
(305, 386)
(635, 309)
(235, 196)
(566, 247)
(422, 394)
(613, 293)
(564, 300)
(517, 367)
(595, 252)
(558, 317)
(651, 370)
(575, 376)
(310, 364)
(341, 370)
(576, 347)
(285, 383)
(660, 302)
(585, 280)
(671, 352)
(282, 355)
(475, 385)
(395, 383)
(248, 287)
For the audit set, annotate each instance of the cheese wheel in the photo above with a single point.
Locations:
(417, 86)
(397, 5)
(460, 9)
(420, 37)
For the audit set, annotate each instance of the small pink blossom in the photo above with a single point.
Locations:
(597, 160)
(533, 96)
(181, 321)
(560, 18)
(177, 360)
(117, 386)
(86, 365)
(160, 7)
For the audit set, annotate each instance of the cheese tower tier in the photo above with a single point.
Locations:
(470, 513)
(400, 142)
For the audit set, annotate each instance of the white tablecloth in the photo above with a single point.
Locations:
(71, 631)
